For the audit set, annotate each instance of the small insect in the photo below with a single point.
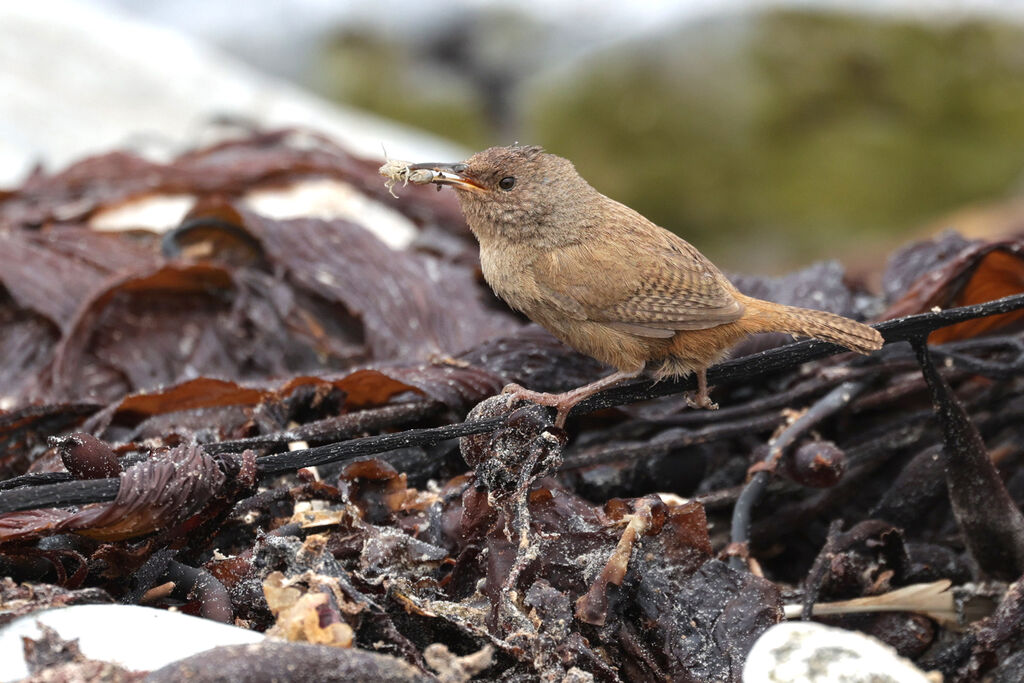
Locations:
(398, 171)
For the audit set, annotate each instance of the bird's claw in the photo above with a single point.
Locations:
(512, 388)
(513, 393)
(516, 392)
(560, 402)
(702, 402)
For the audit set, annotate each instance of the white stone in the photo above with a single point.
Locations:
(137, 638)
(808, 652)
(328, 199)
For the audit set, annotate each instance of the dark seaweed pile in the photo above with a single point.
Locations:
(243, 401)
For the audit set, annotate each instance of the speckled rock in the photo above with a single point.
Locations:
(807, 652)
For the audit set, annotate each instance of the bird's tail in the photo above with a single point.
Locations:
(765, 316)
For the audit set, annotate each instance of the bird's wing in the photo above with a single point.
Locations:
(652, 286)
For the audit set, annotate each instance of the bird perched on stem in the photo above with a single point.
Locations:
(605, 280)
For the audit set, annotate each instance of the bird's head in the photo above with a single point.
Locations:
(517, 193)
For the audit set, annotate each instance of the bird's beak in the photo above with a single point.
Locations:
(450, 174)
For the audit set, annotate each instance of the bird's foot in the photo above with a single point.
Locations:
(519, 392)
(702, 401)
(567, 400)
(701, 398)
(563, 403)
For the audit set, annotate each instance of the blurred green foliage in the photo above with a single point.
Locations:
(821, 130)
(384, 76)
(767, 139)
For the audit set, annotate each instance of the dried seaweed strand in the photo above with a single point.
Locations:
(681, 438)
(372, 445)
(913, 430)
(35, 479)
(197, 583)
(990, 522)
(743, 369)
(837, 542)
(62, 494)
(334, 428)
(819, 569)
(798, 392)
(983, 367)
(829, 404)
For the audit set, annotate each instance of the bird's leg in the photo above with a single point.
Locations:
(565, 401)
(702, 399)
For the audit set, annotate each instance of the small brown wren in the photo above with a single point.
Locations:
(605, 280)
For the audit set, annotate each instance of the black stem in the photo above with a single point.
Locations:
(990, 521)
(741, 369)
(371, 445)
(830, 403)
(63, 494)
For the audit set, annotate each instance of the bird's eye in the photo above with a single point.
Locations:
(507, 183)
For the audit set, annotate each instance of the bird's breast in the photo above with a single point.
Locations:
(511, 277)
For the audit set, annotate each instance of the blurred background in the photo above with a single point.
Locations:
(769, 134)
